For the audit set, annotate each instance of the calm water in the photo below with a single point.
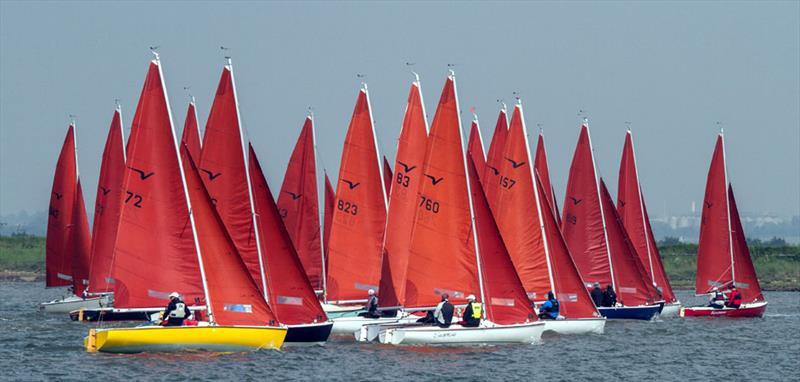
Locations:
(36, 346)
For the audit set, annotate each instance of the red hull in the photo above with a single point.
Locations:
(748, 310)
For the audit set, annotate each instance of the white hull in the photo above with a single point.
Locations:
(349, 326)
(336, 311)
(575, 326)
(487, 333)
(70, 303)
(370, 332)
(671, 310)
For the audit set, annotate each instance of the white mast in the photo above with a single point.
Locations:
(157, 62)
(452, 76)
(600, 202)
(538, 202)
(320, 210)
(478, 131)
(641, 207)
(728, 206)
(121, 131)
(229, 67)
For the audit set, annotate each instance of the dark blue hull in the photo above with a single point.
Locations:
(642, 312)
(308, 333)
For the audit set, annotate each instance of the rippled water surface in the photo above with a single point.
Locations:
(38, 346)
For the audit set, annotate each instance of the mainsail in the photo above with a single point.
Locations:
(540, 164)
(107, 207)
(359, 218)
(490, 175)
(298, 203)
(633, 212)
(403, 201)
(155, 251)
(291, 294)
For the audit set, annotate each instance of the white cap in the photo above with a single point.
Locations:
(371, 292)
(471, 297)
(174, 295)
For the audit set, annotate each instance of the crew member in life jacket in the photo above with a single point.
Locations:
(549, 310)
(444, 312)
(372, 306)
(734, 298)
(597, 295)
(609, 296)
(717, 299)
(176, 311)
(472, 313)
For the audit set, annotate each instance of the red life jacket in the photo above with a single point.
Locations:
(735, 298)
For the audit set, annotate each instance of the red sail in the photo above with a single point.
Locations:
(583, 220)
(517, 211)
(387, 176)
(714, 250)
(81, 243)
(291, 294)
(233, 295)
(59, 221)
(632, 211)
(540, 164)
(475, 145)
(330, 200)
(403, 201)
(107, 207)
(191, 132)
(568, 284)
(224, 172)
(359, 218)
(155, 251)
(631, 281)
(442, 247)
(494, 158)
(746, 279)
(298, 203)
(505, 298)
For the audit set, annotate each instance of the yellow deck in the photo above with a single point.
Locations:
(181, 338)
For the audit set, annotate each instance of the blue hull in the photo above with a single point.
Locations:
(642, 312)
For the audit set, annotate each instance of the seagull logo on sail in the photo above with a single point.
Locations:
(434, 180)
(494, 170)
(294, 196)
(514, 164)
(105, 190)
(142, 174)
(350, 184)
(709, 204)
(211, 174)
(406, 168)
(575, 201)
(58, 195)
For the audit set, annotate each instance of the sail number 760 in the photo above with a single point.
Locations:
(429, 204)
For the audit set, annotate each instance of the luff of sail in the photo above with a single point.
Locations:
(475, 144)
(540, 164)
(490, 175)
(298, 203)
(403, 201)
(155, 252)
(330, 200)
(191, 133)
(632, 211)
(359, 217)
(107, 207)
(442, 241)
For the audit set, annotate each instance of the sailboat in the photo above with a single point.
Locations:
(298, 202)
(534, 243)
(446, 247)
(171, 237)
(723, 259)
(68, 243)
(409, 161)
(598, 242)
(359, 220)
(633, 212)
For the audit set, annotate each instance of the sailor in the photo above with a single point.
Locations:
(717, 299)
(472, 313)
(549, 310)
(176, 311)
(444, 312)
(597, 295)
(734, 298)
(372, 306)
(609, 296)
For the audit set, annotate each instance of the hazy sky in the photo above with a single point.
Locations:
(672, 69)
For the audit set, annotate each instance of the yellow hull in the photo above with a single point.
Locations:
(182, 338)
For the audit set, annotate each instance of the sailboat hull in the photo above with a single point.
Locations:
(641, 312)
(756, 309)
(671, 309)
(575, 326)
(120, 314)
(183, 338)
(336, 311)
(349, 326)
(458, 335)
(315, 333)
(70, 303)
(371, 332)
